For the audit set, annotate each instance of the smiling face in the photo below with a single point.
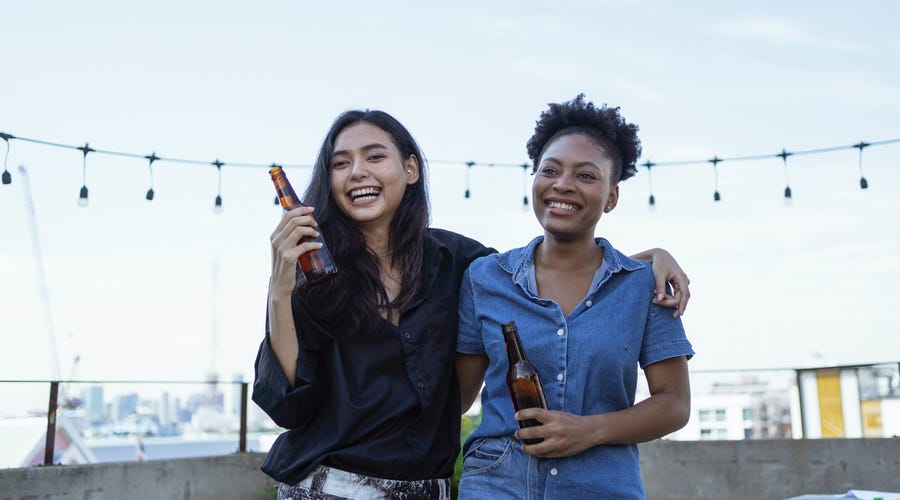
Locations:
(369, 175)
(572, 187)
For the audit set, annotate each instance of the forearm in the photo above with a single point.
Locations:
(470, 370)
(283, 335)
(653, 418)
(647, 255)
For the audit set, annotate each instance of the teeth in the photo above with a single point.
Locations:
(562, 206)
(359, 193)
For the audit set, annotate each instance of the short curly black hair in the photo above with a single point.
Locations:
(604, 125)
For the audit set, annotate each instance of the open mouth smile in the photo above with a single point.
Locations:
(364, 195)
(559, 205)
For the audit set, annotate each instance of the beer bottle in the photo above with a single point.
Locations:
(522, 378)
(316, 264)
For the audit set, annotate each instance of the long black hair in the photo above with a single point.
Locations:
(350, 301)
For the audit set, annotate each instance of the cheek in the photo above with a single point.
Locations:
(337, 186)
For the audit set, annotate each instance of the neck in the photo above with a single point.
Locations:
(567, 254)
(378, 240)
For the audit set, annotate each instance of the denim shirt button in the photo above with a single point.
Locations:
(420, 385)
(407, 335)
(561, 332)
(559, 377)
(553, 471)
(589, 303)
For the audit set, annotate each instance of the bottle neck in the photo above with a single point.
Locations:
(514, 351)
(286, 195)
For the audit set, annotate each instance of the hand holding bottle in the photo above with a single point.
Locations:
(294, 236)
(315, 263)
(560, 434)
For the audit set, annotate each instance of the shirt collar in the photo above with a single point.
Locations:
(517, 262)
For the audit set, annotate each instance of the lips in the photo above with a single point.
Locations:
(364, 194)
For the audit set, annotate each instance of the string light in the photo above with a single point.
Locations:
(715, 164)
(218, 206)
(863, 183)
(7, 177)
(652, 200)
(83, 194)
(152, 158)
(469, 165)
(524, 185)
(788, 197)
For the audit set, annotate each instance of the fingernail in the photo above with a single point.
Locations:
(659, 296)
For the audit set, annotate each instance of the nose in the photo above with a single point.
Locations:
(563, 183)
(358, 170)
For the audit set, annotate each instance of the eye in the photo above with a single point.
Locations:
(375, 157)
(336, 164)
(547, 170)
(587, 176)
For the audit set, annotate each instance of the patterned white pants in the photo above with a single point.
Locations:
(328, 483)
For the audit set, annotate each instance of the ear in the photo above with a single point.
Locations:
(613, 199)
(411, 166)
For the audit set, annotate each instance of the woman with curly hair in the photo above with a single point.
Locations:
(586, 322)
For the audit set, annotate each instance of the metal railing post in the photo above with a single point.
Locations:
(242, 446)
(50, 440)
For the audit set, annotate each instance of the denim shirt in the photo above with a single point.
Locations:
(587, 361)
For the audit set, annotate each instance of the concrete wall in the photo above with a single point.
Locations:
(751, 470)
(768, 469)
(230, 476)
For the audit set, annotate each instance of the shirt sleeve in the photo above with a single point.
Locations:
(469, 341)
(664, 337)
(289, 407)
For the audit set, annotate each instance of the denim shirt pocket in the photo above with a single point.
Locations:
(486, 454)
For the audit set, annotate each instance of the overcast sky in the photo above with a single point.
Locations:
(170, 290)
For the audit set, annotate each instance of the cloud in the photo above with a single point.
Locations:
(781, 31)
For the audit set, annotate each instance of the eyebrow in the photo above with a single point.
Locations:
(579, 164)
(367, 147)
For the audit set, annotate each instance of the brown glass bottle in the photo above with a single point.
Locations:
(522, 378)
(317, 264)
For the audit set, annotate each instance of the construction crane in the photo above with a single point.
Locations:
(44, 292)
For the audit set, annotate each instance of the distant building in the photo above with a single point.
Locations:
(94, 407)
(235, 404)
(125, 405)
(850, 401)
(749, 408)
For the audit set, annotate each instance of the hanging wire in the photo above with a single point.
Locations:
(788, 196)
(863, 183)
(469, 165)
(218, 205)
(7, 177)
(652, 200)
(152, 158)
(715, 164)
(83, 194)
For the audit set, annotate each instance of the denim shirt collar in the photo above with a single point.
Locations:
(519, 263)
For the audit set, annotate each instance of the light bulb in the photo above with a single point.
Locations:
(83, 197)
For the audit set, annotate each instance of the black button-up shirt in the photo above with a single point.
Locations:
(386, 405)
